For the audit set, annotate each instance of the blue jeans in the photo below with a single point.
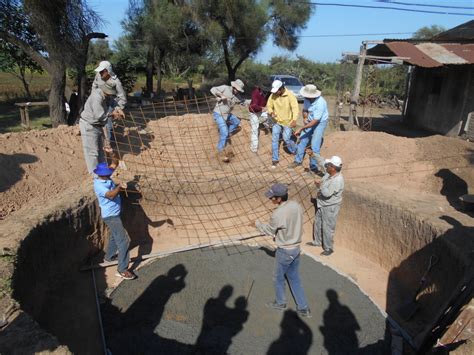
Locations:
(287, 133)
(118, 241)
(225, 131)
(316, 143)
(287, 262)
(305, 138)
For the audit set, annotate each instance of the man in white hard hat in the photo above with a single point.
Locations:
(105, 74)
(313, 128)
(329, 200)
(93, 119)
(227, 123)
(283, 107)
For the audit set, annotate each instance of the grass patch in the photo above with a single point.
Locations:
(10, 120)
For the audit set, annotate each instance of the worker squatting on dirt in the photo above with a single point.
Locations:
(329, 200)
(227, 97)
(92, 121)
(105, 74)
(282, 106)
(286, 226)
(312, 131)
(108, 196)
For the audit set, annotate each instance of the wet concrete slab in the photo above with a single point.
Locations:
(212, 301)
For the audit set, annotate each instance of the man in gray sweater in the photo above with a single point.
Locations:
(227, 123)
(93, 119)
(329, 200)
(286, 227)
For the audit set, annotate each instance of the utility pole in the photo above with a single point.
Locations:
(358, 81)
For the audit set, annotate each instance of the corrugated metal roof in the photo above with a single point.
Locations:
(427, 54)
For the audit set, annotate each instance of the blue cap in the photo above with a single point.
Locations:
(277, 190)
(102, 169)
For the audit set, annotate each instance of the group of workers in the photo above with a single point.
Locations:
(277, 110)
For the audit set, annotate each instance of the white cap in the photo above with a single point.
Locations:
(334, 160)
(276, 85)
(104, 65)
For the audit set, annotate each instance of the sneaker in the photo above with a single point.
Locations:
(294, 165)
(127, 275)
(304, 312)
(313, 244)
(274, 164)
(223, 157)
(277, 306)
(113, 258)
(327, 252)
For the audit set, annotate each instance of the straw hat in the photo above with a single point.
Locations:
(310, 91)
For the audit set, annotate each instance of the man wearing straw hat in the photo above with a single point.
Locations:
(313, 128)
(108, 196)
(92, 121)
(227, 123)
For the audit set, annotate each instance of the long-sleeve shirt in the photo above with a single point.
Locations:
(285, 107)
(330, 190)
(258, 102)
(96, 108)
(286, 225)
(121, 98)
(224, 106)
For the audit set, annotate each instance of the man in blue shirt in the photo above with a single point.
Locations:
(315, 123)
(108, 195)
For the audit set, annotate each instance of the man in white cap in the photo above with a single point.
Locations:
(329, 200)
(227, 123)
(286, 228)
(93, 119)
(105, 74)
(283, 107)
(313, 128)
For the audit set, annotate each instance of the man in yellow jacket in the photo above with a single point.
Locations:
(283, 106)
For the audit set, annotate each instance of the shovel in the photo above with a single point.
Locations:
(408, 309)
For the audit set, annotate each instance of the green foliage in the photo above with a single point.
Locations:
(99, 50)
(427, 32)
(125, 70)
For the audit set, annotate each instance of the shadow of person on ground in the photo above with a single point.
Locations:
(339, 327)
(221, 323)
(11, 171)
(295, 337)
(453, 188)
(133, 332)
(137, 223)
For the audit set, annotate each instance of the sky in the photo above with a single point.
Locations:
(330, 20)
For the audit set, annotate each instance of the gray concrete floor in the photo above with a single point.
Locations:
(212, 301)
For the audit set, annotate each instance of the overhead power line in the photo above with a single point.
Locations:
(390, 8)
(427, 5)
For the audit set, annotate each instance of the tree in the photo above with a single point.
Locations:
(242, 26)
(62, 27)
(427, 32)
(14, 60)
(98, 51)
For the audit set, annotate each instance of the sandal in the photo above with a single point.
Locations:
(127, 275)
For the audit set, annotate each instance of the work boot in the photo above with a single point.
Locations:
(327, 252)
(221, 156)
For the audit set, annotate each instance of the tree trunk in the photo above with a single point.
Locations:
(22, 77)
(159, 65)
(150, 58)
(57, 110)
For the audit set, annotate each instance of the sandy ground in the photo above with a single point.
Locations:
(188, 197)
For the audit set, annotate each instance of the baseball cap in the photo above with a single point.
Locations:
(104, 65)
(277, 190)
(276, 85)
(334, 160)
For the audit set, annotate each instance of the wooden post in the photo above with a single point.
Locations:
(27, 117)
(358, 81)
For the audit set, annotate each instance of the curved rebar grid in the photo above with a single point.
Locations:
(169, 150)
